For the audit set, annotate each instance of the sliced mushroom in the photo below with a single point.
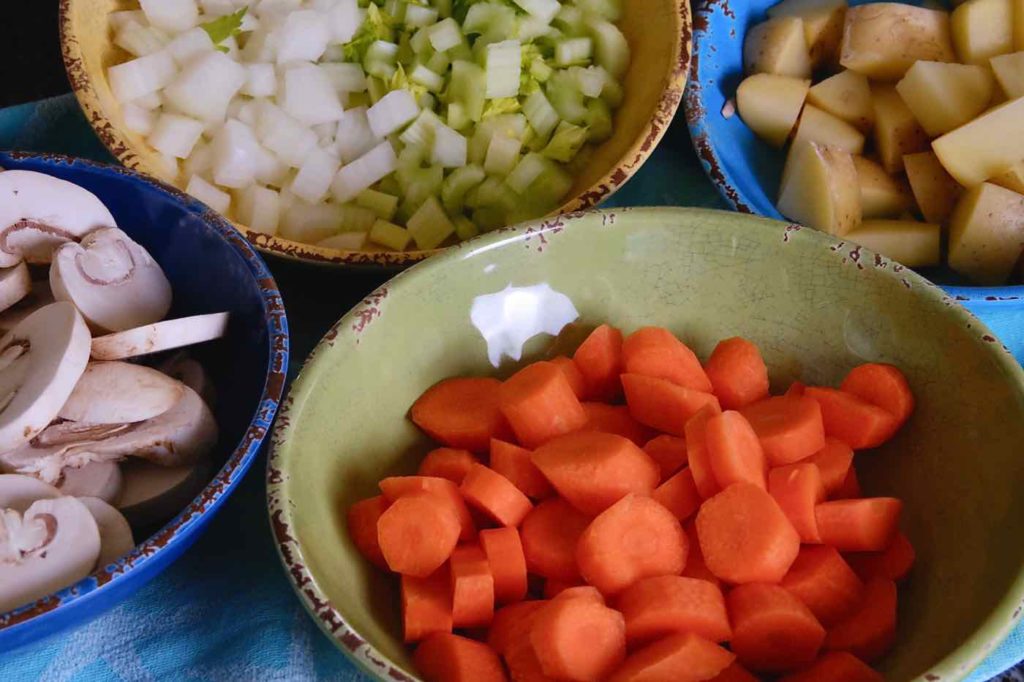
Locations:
(46, 455)
(38, 296)
(18, 492)
(189, 372)
(54, 544)
(112, 280)
(39, 212)
(120, 392)
(115, 534)
(166, 335)
(15, 284)
(153, 493)
(41, 360)
(95, 479)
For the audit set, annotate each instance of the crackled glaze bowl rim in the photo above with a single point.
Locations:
(630, 162)
(953, 666)
(182, 527)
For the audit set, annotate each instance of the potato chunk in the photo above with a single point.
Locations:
(824, 128)
(820, 188)
(945, 96)
(934, 190)
(1009, 71)
(1018, 24)
(770, 105)
(1012, 179)
(823, 26)
(881, 195)
(982, 29)
(986, 233)
(986, 146)
(846, 95)
(882, 40)
(896, 130)
(909, 242)
(777, 46)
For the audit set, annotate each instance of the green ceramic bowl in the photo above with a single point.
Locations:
(815, 306)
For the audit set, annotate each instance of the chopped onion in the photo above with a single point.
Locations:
(140, 40)
(573, 51)
(303, 37)
(200, 160)
(192, 42)
(137, 119)
(259, 209)
(421, 75)
(445, 34)
(309, 96)
(216, 199)
(140, 77)
(449, 149)
(122, 18)
(151, 101)
(261, 46)
(269, 169)
(418, 16)
(274, 10)
(504, 65)
(344, 241)
(310, 223)
(345, 77)
(393, 111)
(260, 80)
(343, 20)
(544, 10)
(542, 116)
(205, 87)
(364, 172)
(314, 178)
(283, 135)
(234, 153)
(591, 79)
(175, 135)
(171, 15)
(217, 8)
(354, 136)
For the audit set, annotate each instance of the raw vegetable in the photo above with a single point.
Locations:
(772, 630)
(665, 605)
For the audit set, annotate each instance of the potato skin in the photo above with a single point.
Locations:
(882, 40)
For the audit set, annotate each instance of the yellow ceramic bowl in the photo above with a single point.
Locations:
(658, 32)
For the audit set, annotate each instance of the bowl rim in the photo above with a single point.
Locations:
(706, 145)
(954, 665)
(627, 165)
(192, 518)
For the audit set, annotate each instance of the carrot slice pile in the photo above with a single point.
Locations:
(772, 631)
(461, 413)
(670, 604)
(539, 404)
(737, 372)
(669, 452)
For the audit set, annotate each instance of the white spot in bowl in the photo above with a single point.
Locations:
(511, 317)
(489, 268)
(728, 109)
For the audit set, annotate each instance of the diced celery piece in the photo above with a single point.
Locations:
(390, 235)
(505, 105)
(467, 86)
(566, 142)
(573, 51)
(610, 47)
(564, 94)
(509, 125)
(444, 7)
(502, 155)
(406, 55)
(489, 218)
(608, 9)
(544, 10)
(493, 192)
(357, 218)
(530, 27)
(599, 121)
(456, 185)
(570, 20)
(427, 78)
(376, 88)
(450, 148)
(445, 35)
(461, 51)
(464, 228)
(426, 101)
(423, 183)
(419, 134)
(504, 64)
(591, 80)
(430, 225)
(389, 185)
(395, 9)
(420, 41)
(457, 116)
(380, 59)
(550, 187)
(540, 70)
(612, 93)
(418, 16)
(491, 20)
(439, 63)
(382, 205)
(526, 171)
(542, 116)
(410, 159)
(581, 161)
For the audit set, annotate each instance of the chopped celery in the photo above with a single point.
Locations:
(405, 54)
(444, 8)
(420, 41)
(566, 142)
(450, 148)
(543, 10)
(550, 187)
(505, 105)
(467, 87)
(489, 218)
(423, 183)
(608, 9)
(573, 51)
(419, 135)
(377, 25)
(426, 101)
(389, 185)
(591, 80)
(540, 70)
(530, 27)
(491, 20)
(581, 161)
(376, 88)
(458, 119)
(504, 64)
(570, 20)
(357, 218)
(455, 186)
(493, 192)
(564, 94)
(464, 228)
(430, 225)
(445, 35)
(390, 235)
(612, 93)
(381, 204)
(439, 62)
(380, 59)
(526, 171)
(542, 116)
(610, 47)
(418, 16)
(509, 125)
(421, 75)
(502, 155)
(599, 121)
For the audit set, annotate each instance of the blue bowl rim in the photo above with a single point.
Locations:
(704, 144)
(191, 519)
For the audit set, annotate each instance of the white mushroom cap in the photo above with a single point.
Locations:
(53, 545)
(41, 360)
(15, 284)
(95, 479)
(120, 392)
(38, 296)
(189, 372)
(115, 534)
(153, 493)
(38, 212)
(166, 335)
(112, 280)
(18, 492)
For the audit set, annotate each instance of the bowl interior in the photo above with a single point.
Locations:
(658, 32)
(815, 307)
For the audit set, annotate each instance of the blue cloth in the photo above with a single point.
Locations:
(226, 610)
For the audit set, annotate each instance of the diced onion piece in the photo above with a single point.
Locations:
(591, 80)
(354, 136)
(345, 241)
(303, 37)
(140, 77)
(445, 34)
(393, 111)
(449, 149)
(380, 59)
(140, 40)
(137, 119)
(216, 199)
(417, 16)
(122, 18)
(538, 110)
(439, 62)
(345, 77)
(200, 160)
(217, 8)
(204, 88)
(310, 223)
(364, 172)
(150, 101)
(235, 149)
(309, 96)
(171, 15)
(504, 66)
(187, 45)
(268, 169)
(259, 209)
(390, 235)
(175, 135)
(456, 185)
(430, 225)
(314, 178)
(260, 80)
(283, 135)
(420, 134)
(545, 10)
(573, 51)
(382, 205)
(344, 20)
(421, 75)
(261, 46)
(275, 10)
(502, 155)
(531, 28)
(526, 171)
(611, 50)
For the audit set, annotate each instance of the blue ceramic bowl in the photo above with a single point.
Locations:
(211, 268)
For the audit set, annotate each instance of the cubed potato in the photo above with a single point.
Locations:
(1009, 71)
(986, 233)
(846, 95)
(881, 195)
(770, 105)
(986, 146)
(896, 130)
(945, 96)
(820, 188)
(1012, 179)
(982, 29)
(934, 190)
(822, 127)
(777, 46)
(909, 242)
(823, 26)
(883, 39)
(1018, 24)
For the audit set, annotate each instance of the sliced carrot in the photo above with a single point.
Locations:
(734, 450)
(461, 413)
(737, 373)
(790, 428)
(593, 470)
(656, 352)
(550, 533)
(695, 566)
(697, 452)
(865, 525)
(615, 419)
(745, 537)
(679, 495)
(669, 452)
(882, 385)
(679, 658)
(426, 605)
(447, 463)
(504, 551)
(662, 405)
(824, 582)
(670, 604)
(539, 404)
(798, 490)
(836, 666)
(495, 495)
(472, 587)
(444, 657)
(599, 359)
(522, 661)
(417, 534)
(394, 487)
(572, 374)
(553, 588)
(362, 528)
(772, 631)
(850, 487)
(633, 539)
(588, 592)
(516, 464)
(856, 422)
(833, 462)
(578, 639)
(892, 563)
(795, 389)
(734, 673)
(508, 622)
(868, 633)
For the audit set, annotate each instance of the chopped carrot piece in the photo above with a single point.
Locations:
(868, 633)
(394, 487)
(745, 537)
(553, 588)
(593, 470)
(444, 657)
(669, 452)
(833, 462)
(670, 604)
(599, 359)
(539, 404)
(881, 385)
(417, 534)
(850, 487)
(572, 374)
(795, 389)
(578, 639)
(683, 657)
(679, 495)
(865, 525)
(615, 419)
(790, 427)
(892, 563)
(516, 464)
(824, 582)
(695, 566)
(737, 373)
(734, 450)
(836, 666)
(426, 605)
(772, 631)
(504, 551)
(697, 453)
(520, 656)
(447, 463)
(472, 587)
(798, 490)
(633, 539)
(550, 533)
(508, 621)
(656, 352)
(852, 420)
(362, 528)
(662, 405)
(495, 495)
(461, 413)
(588, 592)
(734, 673)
